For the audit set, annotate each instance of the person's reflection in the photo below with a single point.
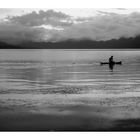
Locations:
(111, 66)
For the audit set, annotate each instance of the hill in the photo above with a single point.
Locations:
(122, 43)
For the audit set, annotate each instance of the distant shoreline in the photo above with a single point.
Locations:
(122, 43)
(71, 49)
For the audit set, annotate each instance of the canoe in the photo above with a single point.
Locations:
(113, 63)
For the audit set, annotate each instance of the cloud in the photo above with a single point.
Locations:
(15, 33)
(42, 17)
(121, 8)
(106, 13)
(4, 12)
(57, 26)
(103, 27)
(33, 26)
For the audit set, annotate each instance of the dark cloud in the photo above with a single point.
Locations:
(29, 27)
(103, 27)
(15, 33)
(42, 17)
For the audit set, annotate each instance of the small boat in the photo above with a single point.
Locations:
(112, 63)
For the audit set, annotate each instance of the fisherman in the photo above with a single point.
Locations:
(111, 59)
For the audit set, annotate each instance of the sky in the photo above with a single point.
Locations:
(54, 25)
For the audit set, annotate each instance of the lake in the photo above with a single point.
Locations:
(69, 90)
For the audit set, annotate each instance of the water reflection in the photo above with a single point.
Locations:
(111, 67)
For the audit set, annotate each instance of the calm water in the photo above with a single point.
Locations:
(70, 85)
(50, 69)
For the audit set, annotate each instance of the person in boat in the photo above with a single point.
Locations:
(111, 63)
(111, 60)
